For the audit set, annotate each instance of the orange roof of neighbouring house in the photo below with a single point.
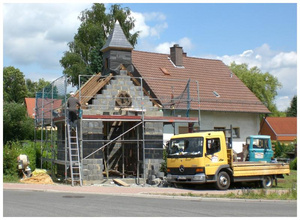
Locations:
(212, 75)
(30, 105)
(283, 126)
(46, 105)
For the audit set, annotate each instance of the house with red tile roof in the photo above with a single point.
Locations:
(45, 106)
(282, 129)
(30, 106)
(218, 98)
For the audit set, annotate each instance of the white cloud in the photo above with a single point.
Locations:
(147, 30)
(283, 102)
(282, 65)
(154, 16)
(164, 47)
(185, 43)
(247, 53)
(140, 25)
(34, 33)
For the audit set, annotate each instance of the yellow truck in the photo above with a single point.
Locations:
(207, 157)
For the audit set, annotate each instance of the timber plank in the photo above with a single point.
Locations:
(120, 182)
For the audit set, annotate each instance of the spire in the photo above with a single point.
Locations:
(117, 40)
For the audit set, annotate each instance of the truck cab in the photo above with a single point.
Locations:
(196, 157)
(259, 148)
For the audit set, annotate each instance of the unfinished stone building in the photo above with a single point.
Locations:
(120, 132)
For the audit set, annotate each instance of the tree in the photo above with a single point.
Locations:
(14, 88)
(16, 124)
(33, 87)
(84, 56)
(292, 110)
(263, 85)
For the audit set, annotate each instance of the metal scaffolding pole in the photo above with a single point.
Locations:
(42, 130)
(143, 129)
(198, 93)
(65, 126)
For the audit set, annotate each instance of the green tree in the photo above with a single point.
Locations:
(263, 85)
(14, 88)
(84, 56)
(33, 87)
(16, 124)
(292, 110)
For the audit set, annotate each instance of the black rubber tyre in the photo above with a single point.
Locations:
(223, 181)
(267, 182)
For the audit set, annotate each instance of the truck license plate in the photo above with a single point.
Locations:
(181, 178)
(259, 155)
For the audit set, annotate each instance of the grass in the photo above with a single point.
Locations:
(11, 179)
(288, 181)
(285, 190)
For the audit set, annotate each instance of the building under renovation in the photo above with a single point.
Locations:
(139, 100)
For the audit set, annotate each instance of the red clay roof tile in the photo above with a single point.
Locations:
(283, 125)
(212, 75)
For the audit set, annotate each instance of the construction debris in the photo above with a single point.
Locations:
(39, 176)
(120, 182)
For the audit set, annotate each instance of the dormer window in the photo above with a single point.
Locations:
(164, 70)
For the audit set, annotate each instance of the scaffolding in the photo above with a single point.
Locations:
(127, 113)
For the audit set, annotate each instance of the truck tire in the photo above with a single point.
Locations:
(267, 182)
(223, 181)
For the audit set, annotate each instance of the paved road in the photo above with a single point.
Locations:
(26, 203)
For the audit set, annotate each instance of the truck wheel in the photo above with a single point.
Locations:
(223, 181)
(267, 182)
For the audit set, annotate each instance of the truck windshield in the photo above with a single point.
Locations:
(186, 147)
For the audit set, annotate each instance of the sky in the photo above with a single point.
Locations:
(36, 35)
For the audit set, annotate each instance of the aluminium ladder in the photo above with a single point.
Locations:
(73, 147)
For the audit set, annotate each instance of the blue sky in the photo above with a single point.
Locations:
(35, 36)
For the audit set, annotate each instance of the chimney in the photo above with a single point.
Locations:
(176, 53)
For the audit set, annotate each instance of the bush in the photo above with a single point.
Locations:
(16, 124)
(281, 150)
(293, 164)
(12, 150)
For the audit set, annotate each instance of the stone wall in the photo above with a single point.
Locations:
(92, 171)
(93, 132)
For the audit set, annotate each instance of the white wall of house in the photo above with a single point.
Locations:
(247, 123)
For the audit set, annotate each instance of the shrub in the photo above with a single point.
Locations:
(12, 150)
(16, 124)
(281, 150)
(293, 164)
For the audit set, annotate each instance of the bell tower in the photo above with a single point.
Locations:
(116, 51)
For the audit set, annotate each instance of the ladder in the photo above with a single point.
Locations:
(73, 147)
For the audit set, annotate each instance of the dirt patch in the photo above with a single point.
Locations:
(42, 178)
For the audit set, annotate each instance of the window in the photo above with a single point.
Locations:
(106, 63)
(236, 132)
(260, 143)
(213, 145)
(216, 94)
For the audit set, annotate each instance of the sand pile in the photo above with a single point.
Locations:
(39, 176)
